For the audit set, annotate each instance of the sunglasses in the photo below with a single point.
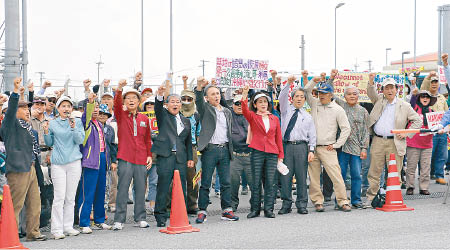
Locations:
(237, 103)
(425, 96)
(187, 99)
(53, 100)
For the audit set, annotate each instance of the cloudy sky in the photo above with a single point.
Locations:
(66, 37)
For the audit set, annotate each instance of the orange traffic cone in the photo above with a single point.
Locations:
(394, 198)
(179, 222)
(9, 236)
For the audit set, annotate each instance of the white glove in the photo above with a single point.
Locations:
(47, 180)
(436, 127)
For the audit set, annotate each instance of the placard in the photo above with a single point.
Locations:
(237, 73)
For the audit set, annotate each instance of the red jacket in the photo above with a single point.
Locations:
(134, 149)
(269, 142)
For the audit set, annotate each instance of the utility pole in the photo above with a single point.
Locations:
(12, 44)
(41, 77)
(142, 40)
(302, 46)
(99, 63)
(24, 42)
(370, 65)
(356, 65)
(203, 66)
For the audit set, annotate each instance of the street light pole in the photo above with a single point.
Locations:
(335, 32)
(415, 33)
(171, 51)
(387, 49)
(142, 40)
(403, 58)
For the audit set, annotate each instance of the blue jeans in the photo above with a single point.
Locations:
(355, 172)
(213, 157)
(439, 155)
(365, 165)
(244, 180)
(152, 182)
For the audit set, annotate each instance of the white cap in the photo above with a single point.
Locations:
(237, 98)
(62, 99)
(50, 95)
(389, 81)
(131, 90)
(107, 94)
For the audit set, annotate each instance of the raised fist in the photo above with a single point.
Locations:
(445, 59)
(305, 73)
(273, 73)
(291, 79)
(432, 74)
(371, 78)
(46, 84)
(333, 73)
(106, 82)
(184, 78)
(30, 87)
(122, 83)
(87, 83)
(92, 97)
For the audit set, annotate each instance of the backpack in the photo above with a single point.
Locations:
(379, 199)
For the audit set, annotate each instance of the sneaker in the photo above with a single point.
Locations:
(441, 181)
(58, 236)
(39, 237)
(432, 177)
(229, 215)
(112, 209)
(102, 226)
(218, 194)
(345, 208)
(150, 211)
(367, 204)
(201, 217)
(86, 230)
(142, 224)
(117, 226)
(358, 206)
(72, 232)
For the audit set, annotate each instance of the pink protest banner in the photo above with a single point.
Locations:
(236, 73)
(434, 118)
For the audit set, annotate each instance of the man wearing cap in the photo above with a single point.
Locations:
(189, 111)
(214, 143)
(328, 117)
(22, 163)
(50, 103)
(388, 113)
(240, 164)
(134, 154)
(299, 141)
(440, 152)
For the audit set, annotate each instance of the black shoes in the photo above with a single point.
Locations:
(269, 214)
(160, 224)
(253, 214)
(302, 210)
(284, 210)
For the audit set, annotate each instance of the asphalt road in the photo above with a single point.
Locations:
(427, 227)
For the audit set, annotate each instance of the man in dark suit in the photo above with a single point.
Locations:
(173, 147)
(216, 147)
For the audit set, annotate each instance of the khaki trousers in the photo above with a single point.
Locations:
(25, 190)
(414, 155)
(330, 162)
(379, 158)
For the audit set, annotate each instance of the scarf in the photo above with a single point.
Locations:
(425, 110)
(188, 110)
(27, 126)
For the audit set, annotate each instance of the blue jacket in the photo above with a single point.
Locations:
(110, 137)
(64, 140)
(90, 149)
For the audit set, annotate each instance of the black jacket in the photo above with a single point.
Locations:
(18, 142)
(110, 137)
(167, 135)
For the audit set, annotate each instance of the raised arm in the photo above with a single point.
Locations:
(371, 89)
(13, 103)
(159, 104)
(244, 104)
(118, 100)
(312, 101)
(87, 114)
(199, 95)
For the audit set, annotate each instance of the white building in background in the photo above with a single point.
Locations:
(428, 61)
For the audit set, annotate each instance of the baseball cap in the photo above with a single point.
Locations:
(104, 109)
(107, 94)
(38, 99)
(62, 99)
(325, 88)
(237, 98)
(388, 81)
(434, 78)
(131, 90)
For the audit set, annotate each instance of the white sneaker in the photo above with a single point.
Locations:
(58, 236)
(142, 224)
(86, 230)
(117, 226)
(72, 232)
(102, 226)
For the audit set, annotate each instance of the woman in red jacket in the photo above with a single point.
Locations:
(267, 150)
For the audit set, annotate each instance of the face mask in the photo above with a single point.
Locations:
(186, 103)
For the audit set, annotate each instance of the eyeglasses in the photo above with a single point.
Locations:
(187, 99)
(131, 98)
(237, 103)
(147, 93)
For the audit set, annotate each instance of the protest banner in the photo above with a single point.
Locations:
(153, 123)
(434, 118)
(410, 70)
(236, 73)
(441, 75)
(360, 80)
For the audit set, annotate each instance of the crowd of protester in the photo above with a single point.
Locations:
(68, 162)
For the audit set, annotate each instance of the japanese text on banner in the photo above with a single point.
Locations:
(236, 73)
(434, 118)
(441, 74)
